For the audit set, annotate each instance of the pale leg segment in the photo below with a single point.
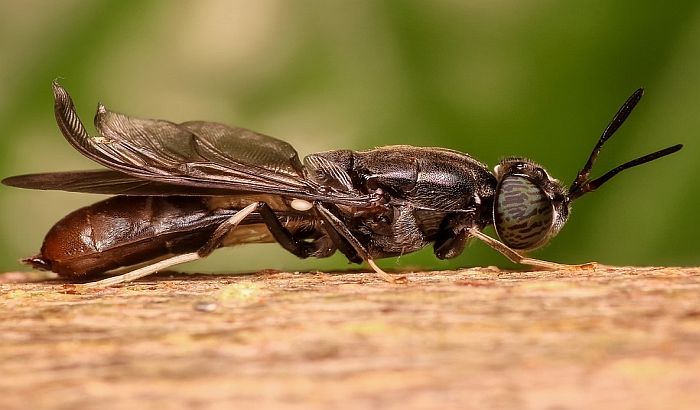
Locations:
(210, 246)
(145, 271)
(515, 257)
(383, 275)
(340, 229)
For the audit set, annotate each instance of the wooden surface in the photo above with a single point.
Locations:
(623, 338)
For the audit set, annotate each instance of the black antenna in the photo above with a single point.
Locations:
(590, 186)
(582, 184)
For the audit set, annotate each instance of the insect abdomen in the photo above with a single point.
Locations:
(123, 231)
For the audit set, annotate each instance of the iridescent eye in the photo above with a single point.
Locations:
(523, 214)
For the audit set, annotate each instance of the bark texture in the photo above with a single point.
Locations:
(616, 337)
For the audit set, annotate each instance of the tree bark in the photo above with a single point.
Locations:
(615, 337)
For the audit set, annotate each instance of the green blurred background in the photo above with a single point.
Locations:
(534, 78)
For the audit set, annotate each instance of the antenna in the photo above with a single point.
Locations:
(582, 183)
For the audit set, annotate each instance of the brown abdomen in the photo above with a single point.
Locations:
(123, 231)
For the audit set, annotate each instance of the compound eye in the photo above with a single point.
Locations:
(523, 215)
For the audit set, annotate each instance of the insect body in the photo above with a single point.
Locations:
(187, 189)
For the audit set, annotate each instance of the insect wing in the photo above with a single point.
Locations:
(197, 154)
(106, 182)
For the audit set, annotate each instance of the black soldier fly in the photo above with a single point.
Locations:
(184, 190)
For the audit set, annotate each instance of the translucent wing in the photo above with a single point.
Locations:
(106, 182)
(195, 154)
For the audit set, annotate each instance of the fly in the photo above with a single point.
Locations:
(185, 190)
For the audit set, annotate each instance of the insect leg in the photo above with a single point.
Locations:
(145, 271)
(341, 243)
(319, 247)
(515, 257)
(213, 243)
(339, 227)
